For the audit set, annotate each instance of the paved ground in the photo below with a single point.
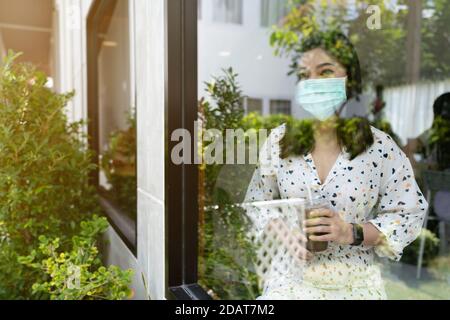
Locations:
(401, 283)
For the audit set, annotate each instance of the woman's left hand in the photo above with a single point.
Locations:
(329, 223)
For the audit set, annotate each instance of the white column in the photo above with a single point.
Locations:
(85, 7)
(150, 86)
(69, 38)
(132, 28)
(77, 52)
(63, 55)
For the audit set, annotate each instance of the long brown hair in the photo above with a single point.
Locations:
(354, 136)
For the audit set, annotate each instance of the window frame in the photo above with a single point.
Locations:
(240, 21)
(259, 100)
(181, 111)
(273, 105)
(262, 18)
(99, 18)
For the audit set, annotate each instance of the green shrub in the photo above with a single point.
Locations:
(118, 163)
(224, 109)
(226, 255)
(440, 268)
(44, 170)
(77, 274)
(440, 141)
(385, 126)
(411, 253)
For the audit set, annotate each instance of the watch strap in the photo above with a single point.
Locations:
(358, 234)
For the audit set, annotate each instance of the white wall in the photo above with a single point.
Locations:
(117, 253)
(150, 88)
(246, 48)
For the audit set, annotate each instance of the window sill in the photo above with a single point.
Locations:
(122, 224)
(189, 292)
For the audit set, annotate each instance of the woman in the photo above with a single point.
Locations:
(376, 206)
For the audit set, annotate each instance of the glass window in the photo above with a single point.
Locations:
(117, 120)
(280, 106)
(254, 105)
(273, 12)
(381, 76)
(228, 11)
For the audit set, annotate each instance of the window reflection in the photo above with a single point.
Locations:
(117, 119)
(400, 92)
(280, 107)
(228, 11)
(273, 11)
(254, 105)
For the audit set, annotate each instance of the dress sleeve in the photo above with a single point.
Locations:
(264, 184)
(401, 208)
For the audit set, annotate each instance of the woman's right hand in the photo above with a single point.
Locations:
(292, 239)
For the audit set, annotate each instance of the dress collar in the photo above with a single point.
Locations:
(342, 163)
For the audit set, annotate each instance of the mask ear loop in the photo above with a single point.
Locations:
(341, 108)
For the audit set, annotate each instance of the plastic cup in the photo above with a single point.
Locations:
(310, 208)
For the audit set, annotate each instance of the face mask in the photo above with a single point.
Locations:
(322, 97)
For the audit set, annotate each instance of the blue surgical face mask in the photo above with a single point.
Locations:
(322, 97)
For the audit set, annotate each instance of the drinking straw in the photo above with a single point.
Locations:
(309, 193)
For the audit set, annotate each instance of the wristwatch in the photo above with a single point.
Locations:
(358, 234)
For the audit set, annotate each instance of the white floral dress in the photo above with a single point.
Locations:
(378, 187)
